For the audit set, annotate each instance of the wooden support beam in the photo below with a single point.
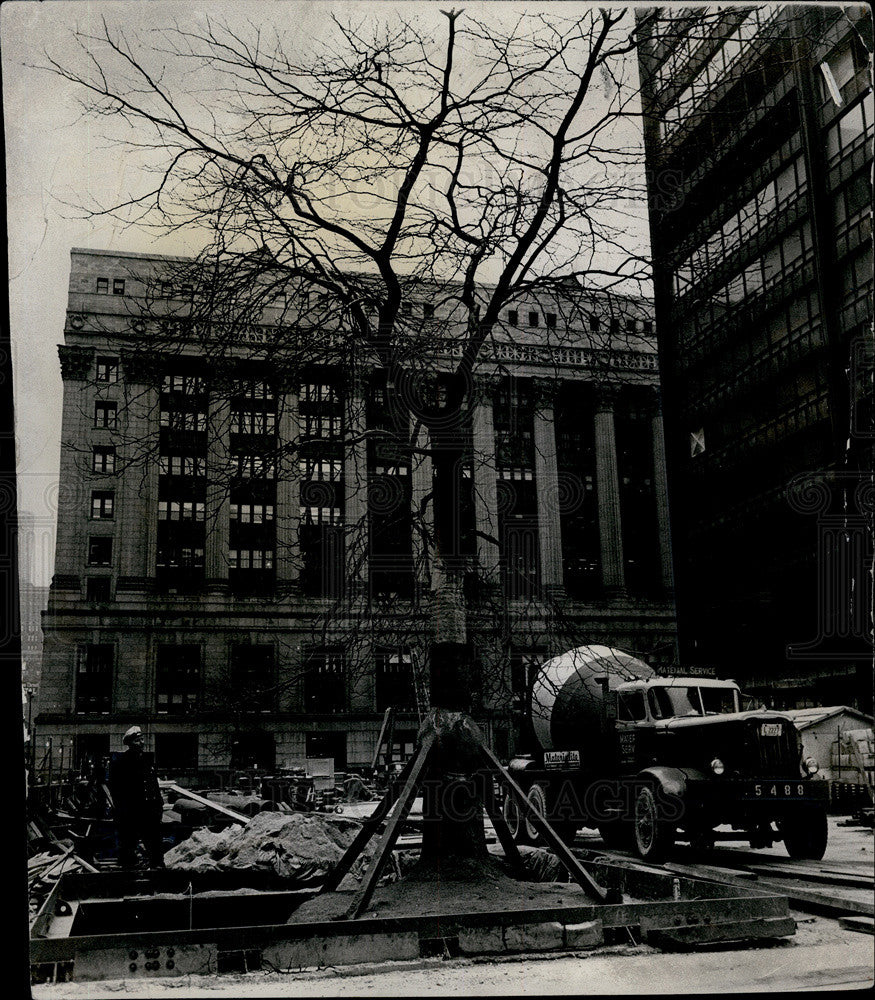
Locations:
(393, 828)
(185, 793)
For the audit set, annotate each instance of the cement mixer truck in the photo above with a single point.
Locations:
(649, 760)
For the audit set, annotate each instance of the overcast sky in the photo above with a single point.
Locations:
(55, 155)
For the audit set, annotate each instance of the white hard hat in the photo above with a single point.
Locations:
(131, 733)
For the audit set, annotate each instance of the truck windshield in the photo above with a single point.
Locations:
(672, 702)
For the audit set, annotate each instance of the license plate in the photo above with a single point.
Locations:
(779, 790)
(770, 729)
(562, 758)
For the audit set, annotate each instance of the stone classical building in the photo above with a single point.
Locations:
(759, 140)
(244, 561)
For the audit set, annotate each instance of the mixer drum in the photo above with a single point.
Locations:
(567, 698)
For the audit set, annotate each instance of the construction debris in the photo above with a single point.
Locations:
(296, 845)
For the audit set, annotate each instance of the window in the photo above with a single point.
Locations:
(322, 470)
(253, 422)
(253, 467)
(318, 425)
(318, 392)
(105, 414)
(107, 369)
(513, 317)
(321, 515)
(103, 286)
(180, 557)
(103, 460)
(183, 420)
(181, 510)
(177, 678)
(250, 559)
(118, 286)
(176, 751)
(614, 325)
(189, 385)
(324, 681)
(166, 290)
(406, 308)
(847, 130)
(252, 676)
(182, 465)
(251, 513)
(99, 551)
(394, 679)
(533, 318)
(102, 504)
(427, 310)
(550, 320)
(630, 706)
(630, 326)
(594, 323)
(327, 745)
(97, 589)
(94, 670)
(254, 390)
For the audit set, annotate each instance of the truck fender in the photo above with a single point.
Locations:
(671, 783)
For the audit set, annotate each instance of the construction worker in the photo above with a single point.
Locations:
(137, 802)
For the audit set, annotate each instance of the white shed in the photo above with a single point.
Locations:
(839, 739)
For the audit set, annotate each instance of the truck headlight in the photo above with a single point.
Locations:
(717, 766)
(811, 766)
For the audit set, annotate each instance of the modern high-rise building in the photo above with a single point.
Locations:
(245, 566)
(758, 131)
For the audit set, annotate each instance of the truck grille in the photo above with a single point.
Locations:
(766, 754)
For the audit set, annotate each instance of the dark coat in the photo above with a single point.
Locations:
(133, 785)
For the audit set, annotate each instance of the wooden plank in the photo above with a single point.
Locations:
(185, 793)
(808, 875)
(864, 925)
(733, 930)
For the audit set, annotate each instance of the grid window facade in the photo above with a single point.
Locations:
(94, 676)
(177, 679)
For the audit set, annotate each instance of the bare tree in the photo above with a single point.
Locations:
(471, 167)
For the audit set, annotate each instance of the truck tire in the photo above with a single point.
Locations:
(805, 834)
(538, 797)
(510, 810)
(654, 837)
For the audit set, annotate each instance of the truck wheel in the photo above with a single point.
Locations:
(805, 834)
(510, 810)
(538, 797)
(654, 838)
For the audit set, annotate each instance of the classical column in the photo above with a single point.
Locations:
(547, 485)
(422, 505)
(218, 491)
(660, 491)
(138, 466)
(485, 473)
(608, 493)
(74, 485)
(355, 490)
(288, 494)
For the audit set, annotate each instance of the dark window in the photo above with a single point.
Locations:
(97, 589)
(253, 750)
(99, 551)
(406, 308)
(550, 320)
(104, 414)
(103, 286)
(118, 286)
(177, 679)
(630, 706)
(103, 460)
(594, 322)
(533, 319)
(185, 291)
(630, 326)
(322, 745)
(94, 678)
(524, 665)
(394, 679)
(324, 681)
(92, 750)
(102, 505)
(252, 677)
(107, 369)
(513, 317)
(648, 326)
(615, 325)
(427, 310)
(176, 751)
(166, 290)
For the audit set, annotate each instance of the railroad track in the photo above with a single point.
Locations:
(812, 886)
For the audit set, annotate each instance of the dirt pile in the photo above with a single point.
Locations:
(296, 845)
